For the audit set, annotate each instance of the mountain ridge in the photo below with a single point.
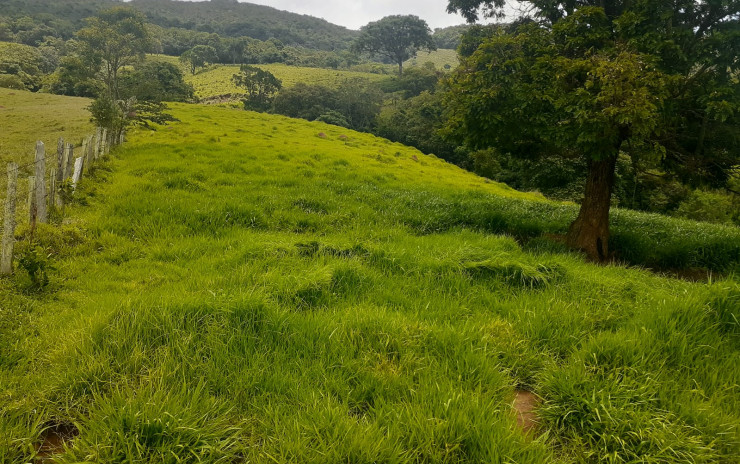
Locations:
(226, 18)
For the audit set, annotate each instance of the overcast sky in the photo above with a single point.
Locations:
(356, 13)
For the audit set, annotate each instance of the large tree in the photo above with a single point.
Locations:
(589, 80)
(114, 39)
(397, 38)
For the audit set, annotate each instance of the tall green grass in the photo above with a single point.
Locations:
(249, 288)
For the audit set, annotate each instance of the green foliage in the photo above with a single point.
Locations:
(413, 82)
(156, 81)
(417, 122)
(261, 87)
(35, 261)
(75, 77)
(584, 82)
(355, 103)
(397, 38)
(11, 81)
(198, 57)
(21, 64)
(108, 113)
(717, 207)
(113, 40)
(449, 37)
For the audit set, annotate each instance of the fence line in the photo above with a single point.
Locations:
(65, 173)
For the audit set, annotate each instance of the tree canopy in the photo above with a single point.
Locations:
(198, 57)
(114, 39)
(586, 80)
(397, 38)
(261, 86)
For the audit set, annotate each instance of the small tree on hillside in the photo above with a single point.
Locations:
(198, 57)
(398, 38)
(114, 39)
(261, 86)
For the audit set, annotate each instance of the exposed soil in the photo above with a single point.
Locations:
(525, 403)
(53, 440)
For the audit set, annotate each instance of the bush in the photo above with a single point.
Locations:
(24, 62)
(710, 206)
(156, 81)
(10, 81)
(355, 104)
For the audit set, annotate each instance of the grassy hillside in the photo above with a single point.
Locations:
(26, 117)
(440, 58)
(239, 287)
(217, 80)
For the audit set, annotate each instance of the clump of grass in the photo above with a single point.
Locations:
(148, 424)
(514, 273)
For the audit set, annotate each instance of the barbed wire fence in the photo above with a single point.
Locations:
(50, 186)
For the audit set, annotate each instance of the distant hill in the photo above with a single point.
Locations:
(225, 17)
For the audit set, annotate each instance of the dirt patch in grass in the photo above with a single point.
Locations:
(53, 440)
(525, 404)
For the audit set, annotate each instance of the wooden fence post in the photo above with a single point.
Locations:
(52, 188)
(41, 213)
(98, 141)
(32, 200)
(6, 259)
(84, 148)
(70, 159)
(88, 154)
(79, 162)
(59, 173)
(104, 143)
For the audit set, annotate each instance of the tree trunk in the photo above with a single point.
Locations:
(590, 231)
(400, 68)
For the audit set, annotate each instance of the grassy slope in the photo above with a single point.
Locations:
(26, 117)
(241, 286)
(216, 80)
(440, 58)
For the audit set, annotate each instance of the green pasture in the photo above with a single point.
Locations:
(440, 58)
(242, 287)
(217, 79)
(26, 117)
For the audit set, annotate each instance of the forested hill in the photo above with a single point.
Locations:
(225, 17)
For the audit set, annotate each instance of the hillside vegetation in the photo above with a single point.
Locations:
(242, 287)
(226, 18)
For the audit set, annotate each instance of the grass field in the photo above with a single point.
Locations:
(216, 80)
(240, 287)
(440, 58)
(26, 117)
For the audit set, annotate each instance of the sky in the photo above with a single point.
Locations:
(356, 13)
